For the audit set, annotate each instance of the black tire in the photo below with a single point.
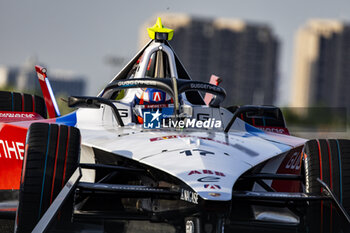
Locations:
(328, 160)
(51, 157)
(19, 102)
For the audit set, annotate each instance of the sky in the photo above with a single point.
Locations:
(77, 35)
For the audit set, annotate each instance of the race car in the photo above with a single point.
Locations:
(149, 154)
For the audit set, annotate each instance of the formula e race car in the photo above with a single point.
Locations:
(149, 154)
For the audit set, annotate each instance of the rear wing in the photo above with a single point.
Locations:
(50, 101)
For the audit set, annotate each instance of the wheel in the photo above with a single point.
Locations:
(204, 224)
(328, 160)
(18, 102)
(51, 156)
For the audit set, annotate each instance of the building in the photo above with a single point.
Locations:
(321, 74)
(243, 54)
(24, 79)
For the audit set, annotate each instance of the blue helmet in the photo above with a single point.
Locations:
(149, 99)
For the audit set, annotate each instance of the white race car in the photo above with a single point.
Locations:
(148, 148)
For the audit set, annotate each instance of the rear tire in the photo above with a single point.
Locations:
(19, 102)
(328, 160)
(51, 157)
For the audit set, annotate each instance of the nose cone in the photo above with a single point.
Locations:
(210, 165)
(211, 173)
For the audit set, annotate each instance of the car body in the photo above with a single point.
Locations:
(220, 166)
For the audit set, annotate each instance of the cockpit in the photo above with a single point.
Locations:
(155, 81)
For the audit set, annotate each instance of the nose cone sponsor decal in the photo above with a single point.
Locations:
(210, 186)
(189, 196)
(210, 172)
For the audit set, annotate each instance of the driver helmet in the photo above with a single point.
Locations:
(150, 99)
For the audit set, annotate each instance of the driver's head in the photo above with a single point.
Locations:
(146, 96)
(150, 98)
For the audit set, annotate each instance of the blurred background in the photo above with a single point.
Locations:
(292, 54)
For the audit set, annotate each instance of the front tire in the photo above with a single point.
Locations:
(51, 156)
(328, 160)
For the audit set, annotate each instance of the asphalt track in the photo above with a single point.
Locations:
(7, 226)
